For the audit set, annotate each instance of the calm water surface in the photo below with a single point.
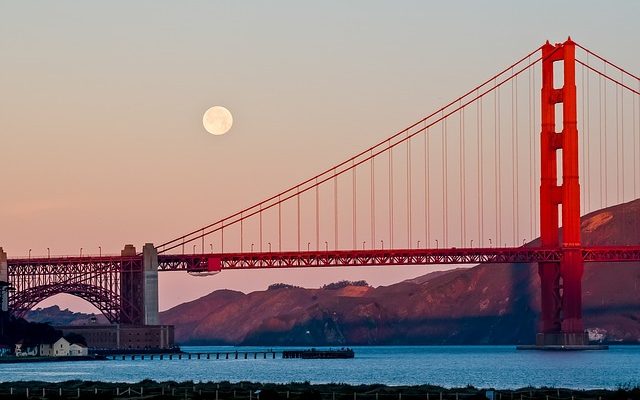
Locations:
(448, 366)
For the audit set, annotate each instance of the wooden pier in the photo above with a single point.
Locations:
(219, 355)
(237, 355)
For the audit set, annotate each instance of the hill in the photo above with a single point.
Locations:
(55, 316)
(486, 304)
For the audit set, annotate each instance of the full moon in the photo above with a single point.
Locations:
(217, 120)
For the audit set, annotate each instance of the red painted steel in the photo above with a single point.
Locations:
(561, 281)
(549, 271)
(96, 279)
(99, 279)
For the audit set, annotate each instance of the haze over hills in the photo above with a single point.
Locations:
(55, 316)
(491, 303)
(485, 304)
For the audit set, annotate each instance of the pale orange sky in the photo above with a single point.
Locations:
(101, 108)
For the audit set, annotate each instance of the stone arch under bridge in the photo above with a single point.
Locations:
(124, 289)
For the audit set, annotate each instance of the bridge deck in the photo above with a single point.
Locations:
(337, 258)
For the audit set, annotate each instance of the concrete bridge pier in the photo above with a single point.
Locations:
(150, 276)
(4, 277)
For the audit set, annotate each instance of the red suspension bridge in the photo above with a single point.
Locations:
(467, 184)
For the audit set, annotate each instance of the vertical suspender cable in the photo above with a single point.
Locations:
(536, 153)
(514, 160)
(373, 204)
(241, 233)
(584, 143)
(622, 134)
(586, 138)
(426, 188)
(335, 209)
(463, 239)
(317, 217)
(480, 173)
(354, 199)
(531, 151)
(581, 130)
(600, 129)
(634, 134)
(496, 137)
(618, 174)
(606, 177)
(444, 180)
(409, 192)
(260, 217)
(517, 169)
(279, 224)
(298, 201)
(390, 195)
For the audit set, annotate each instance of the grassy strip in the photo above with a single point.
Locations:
(149, 389)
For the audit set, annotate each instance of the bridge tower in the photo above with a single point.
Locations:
(4, 279)
(139, 287)
(561, 282)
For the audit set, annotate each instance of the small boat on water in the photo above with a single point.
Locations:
(319, 354)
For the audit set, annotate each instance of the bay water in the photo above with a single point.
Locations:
(500, 367)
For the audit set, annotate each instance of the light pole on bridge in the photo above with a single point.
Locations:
(29, 254)
(472, 243)
(80, 251)
(48, 252)
(436, 243)
(381, 244)
(100, 251)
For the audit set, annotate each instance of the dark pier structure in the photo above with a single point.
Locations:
(233, 355)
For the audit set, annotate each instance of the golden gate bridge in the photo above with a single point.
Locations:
(464, 185)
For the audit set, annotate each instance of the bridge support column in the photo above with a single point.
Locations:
(561, 283)
(150, 268)
(4, 277)
(131, 287)
(139, 286)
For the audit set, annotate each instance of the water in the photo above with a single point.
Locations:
(500, 367)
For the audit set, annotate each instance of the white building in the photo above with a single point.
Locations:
(60, 348)
(44, 349)
(77, 349)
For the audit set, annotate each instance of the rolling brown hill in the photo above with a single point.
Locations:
(486, 304)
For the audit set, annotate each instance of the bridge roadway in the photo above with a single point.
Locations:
(214, 262)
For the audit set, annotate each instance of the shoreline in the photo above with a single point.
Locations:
(294, 390)
(37, 359)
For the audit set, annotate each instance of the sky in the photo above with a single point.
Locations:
(101, 103)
